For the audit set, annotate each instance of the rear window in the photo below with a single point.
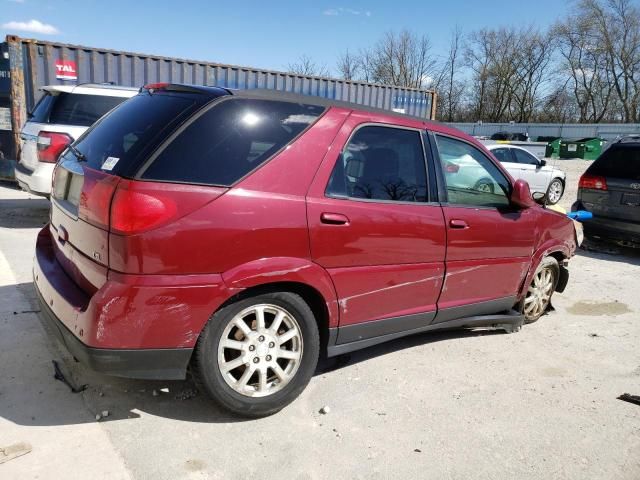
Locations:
(230, 140)
(81, 110)
(114, 143)
(73, 109)
(620, 161)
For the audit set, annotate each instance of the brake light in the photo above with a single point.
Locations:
(593, 182)
(134, 212)
(155, 86)
(51, 145)
(451, 167)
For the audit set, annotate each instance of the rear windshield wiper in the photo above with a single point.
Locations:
(78, 154)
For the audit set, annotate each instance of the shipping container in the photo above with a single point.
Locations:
(34, 64)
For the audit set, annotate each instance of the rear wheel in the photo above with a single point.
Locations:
(543, 284)
(256, 356)
(484, 185)
(555, 191)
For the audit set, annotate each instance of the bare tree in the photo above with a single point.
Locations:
(403, 59)
(618, 31)
(533, 58)
(307, 67)
(448, 84)
(349, 66)
(509, 70)
(585, 60)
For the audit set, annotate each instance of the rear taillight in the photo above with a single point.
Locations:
(141, 206)
(51, 145)
(134, 212)
(451, 167)
(593, 182)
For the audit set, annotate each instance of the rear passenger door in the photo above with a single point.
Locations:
(374, 229)
(489, 241)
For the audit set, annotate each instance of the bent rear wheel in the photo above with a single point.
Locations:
(543, 284)
(256, 356)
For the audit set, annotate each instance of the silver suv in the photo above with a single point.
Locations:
(60, 117)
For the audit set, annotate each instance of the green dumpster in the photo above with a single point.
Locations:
(585, 148)
(553, 148)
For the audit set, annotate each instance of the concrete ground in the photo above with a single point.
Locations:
(537, 404)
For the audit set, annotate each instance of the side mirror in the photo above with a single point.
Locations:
(521, 195)
(543, 162)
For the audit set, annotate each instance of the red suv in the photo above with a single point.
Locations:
(242, 234)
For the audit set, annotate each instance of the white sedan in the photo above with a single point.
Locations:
(520, 163)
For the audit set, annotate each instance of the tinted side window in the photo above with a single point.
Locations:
(621, 161)
(381, 163)
(503, 155)
(471, 178)
(525, 157)
(230, 140)
(81, 110)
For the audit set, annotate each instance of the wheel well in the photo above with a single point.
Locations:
(310, 295)
(563, 272)
(559, 256)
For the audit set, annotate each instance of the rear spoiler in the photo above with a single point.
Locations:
(179, 87)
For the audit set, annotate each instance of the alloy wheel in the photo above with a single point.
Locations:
(539, 293)
(260, 350)
(555, 192)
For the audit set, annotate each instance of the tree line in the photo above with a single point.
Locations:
(583, 68)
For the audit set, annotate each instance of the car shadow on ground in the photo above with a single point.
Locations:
(30, 212)
(128, 399)
(610, 252)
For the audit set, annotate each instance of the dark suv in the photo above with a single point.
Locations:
(243, 234)
(610, 189)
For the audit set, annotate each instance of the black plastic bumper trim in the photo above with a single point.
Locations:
(361, 331)
(510, 321)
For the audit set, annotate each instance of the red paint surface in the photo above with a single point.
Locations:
(157, 288)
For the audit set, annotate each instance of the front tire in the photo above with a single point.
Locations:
(255, 356)
(538, 296)
(555, 191)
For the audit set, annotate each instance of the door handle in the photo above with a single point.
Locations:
(455, 223)
(334, 219)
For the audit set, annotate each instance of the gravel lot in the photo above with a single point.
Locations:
(537, 404)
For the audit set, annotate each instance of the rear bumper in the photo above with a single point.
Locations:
(36, 181)
(610, 228)
(138, 326)
(152, 364)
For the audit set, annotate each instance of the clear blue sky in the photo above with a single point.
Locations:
(267, 34)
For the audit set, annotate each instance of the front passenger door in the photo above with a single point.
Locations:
(489, 241)
(532, 171)
(372, 227)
